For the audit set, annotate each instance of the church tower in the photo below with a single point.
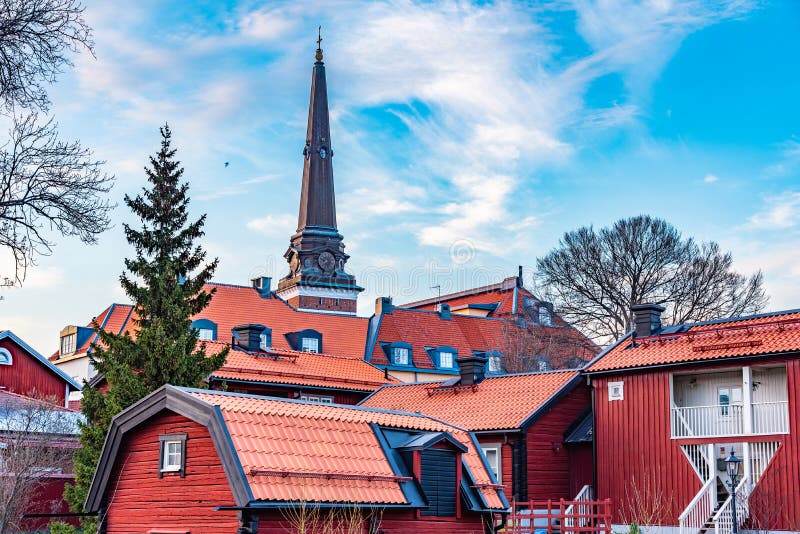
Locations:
(317, 279)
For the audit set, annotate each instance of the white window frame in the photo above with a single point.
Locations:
(5, 357)
(324, 399)
(616, 391)
(68, 343)
(306, 344)
(166, 466)
(450, 355)
(205, 334)
(497, 469)
(495, 364)
(725, 410)
(262, 341)
(396, 351)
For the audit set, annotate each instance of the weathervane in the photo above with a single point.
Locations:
(319, 43)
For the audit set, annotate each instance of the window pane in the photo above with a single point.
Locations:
(172, 455)
(310, 344)
(205, 334)
(736, 395)
(446, 359)
(401, 355)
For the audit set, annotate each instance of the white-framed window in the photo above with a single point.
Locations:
(401, 355)
(5, 357)
(729, 397)
(264, 341)
(172, 459)
(493, 454)
(68, 344)
(446, 359)
(616, 391)
(495, 364)
(324, 399)
(309, 344)
(205, 334)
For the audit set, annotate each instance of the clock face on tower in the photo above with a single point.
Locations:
(326, 261)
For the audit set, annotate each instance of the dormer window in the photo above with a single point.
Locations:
(206, 330)
(401, 355)
(309, 344)
(447, 359)
(495, 364)
(68, 344)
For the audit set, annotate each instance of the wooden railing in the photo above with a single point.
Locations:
(579, 507)
(552, 517)
(723, 519)
(771, 417)
(700, 509)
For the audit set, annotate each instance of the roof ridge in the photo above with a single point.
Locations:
(741, 318)
(353, 407)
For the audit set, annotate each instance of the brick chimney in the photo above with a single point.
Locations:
(646, 319)
(472, 368)
(248, 336)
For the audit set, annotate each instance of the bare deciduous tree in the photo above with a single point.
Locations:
(37, 440)
(531, 347)
(46, 185)
(595, 276)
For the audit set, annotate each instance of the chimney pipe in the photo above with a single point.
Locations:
(646, 319)
(444, 311)
(472, 368)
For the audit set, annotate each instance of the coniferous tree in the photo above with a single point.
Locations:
(165, 281)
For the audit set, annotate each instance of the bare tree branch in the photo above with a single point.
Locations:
(48, 185)
(595, 276)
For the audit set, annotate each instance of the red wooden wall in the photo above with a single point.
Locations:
(633, 435)
(28, 376)
(139, 501)
(581, 463)
(548, 459)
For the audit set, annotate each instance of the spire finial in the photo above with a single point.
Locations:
(319, 43)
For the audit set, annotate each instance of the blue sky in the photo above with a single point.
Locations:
(468, 136)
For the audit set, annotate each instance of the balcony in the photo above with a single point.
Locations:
(749, 401)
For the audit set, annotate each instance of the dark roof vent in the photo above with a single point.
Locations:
(646, 319)
(472, 368)
(248, 336)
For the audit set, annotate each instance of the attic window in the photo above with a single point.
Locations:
(205, 334)
(172, 454)
(265, 340)
(495, 364)
(401, 355)
(206, 329)
(68, 344)
(5, 357)
(309, 344)
(446, 359)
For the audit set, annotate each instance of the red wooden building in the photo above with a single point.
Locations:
(208, 461)
(522, 423)
(26, 372)
(671, 403)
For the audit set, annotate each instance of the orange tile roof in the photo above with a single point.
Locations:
(772, 333)
(284, 366)
(301, 451)
(501, 402)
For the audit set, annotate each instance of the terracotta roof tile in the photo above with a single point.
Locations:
(283, 366)
(772, 333)
(293, 450)
(500, 402)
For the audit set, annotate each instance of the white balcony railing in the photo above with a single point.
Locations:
(771, 417)
(728, 420)
(696, 515)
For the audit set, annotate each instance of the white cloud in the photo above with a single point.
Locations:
(781, 212)
(280, 224)
(710, 178)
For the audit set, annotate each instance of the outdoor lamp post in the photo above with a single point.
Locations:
(732, 465)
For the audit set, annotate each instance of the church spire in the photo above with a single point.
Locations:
(317, 279)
